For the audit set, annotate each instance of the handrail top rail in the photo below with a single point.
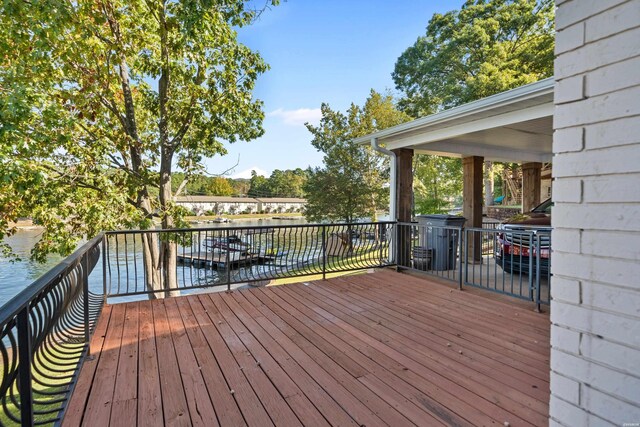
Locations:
(18, 302)
(522, 231)
(240, 227)
(416, 223)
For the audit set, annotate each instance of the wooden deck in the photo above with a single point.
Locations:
(372, 349)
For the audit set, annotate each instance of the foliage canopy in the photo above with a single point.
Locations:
(486, 47)
(350, 185)
(101, 101)
(281, 183)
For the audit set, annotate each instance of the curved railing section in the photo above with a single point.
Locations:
(221, 257)
(44, 335)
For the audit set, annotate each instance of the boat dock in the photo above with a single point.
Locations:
(219, 261)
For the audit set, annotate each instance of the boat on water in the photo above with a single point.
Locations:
(220, 220)
(231, 244)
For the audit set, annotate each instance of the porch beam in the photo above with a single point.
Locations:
(472, 202)
(404, 182)
(531, 185)
(404, 195)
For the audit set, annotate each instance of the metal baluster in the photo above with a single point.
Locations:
(25, 359)
(459, 255)
(118, 263)
(228, 264)
(538, 256)
(126, 260)
(378, 237)
(135, 265)
(531, 255)
(104, 269)
(324, 252)
(85, 296)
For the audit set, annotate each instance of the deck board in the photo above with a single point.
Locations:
(370, 349)
(100, 400)
(125, 406)
(424, 326)
(149, 398)
(481, 376)
(77, 403)
(174, 400)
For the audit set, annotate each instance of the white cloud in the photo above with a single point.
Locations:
(298, 117)
(246, 174)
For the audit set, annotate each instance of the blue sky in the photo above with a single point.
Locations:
(321, 51)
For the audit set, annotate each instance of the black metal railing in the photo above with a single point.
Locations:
(488, 244)
(518, 265)
(430, 249)
(221, 257)
(508, 261)
(45, 332)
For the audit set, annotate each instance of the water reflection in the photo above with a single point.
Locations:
(15, 275)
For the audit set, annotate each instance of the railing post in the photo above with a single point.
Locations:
(324, 252)
(538, 256)
(104, 268)
(24, 355)
(379, 239)
(396, 246)
(532, 246)
(459, 254)
(85, 297)
(228, 263)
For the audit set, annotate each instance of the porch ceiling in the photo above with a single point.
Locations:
(514, 126)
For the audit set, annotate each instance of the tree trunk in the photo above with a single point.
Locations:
(488, 183)
(152, 265)
(151, 257)
(168, 246)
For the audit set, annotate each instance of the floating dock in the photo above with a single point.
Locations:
(220, 261)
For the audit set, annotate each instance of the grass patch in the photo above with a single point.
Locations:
(311, 278)
(48, 385)
(362, 260)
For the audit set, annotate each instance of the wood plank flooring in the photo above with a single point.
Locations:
(371, 349)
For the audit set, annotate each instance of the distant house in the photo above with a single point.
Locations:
(281, 204)
(218, 205)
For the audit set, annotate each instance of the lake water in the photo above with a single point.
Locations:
(16, 275)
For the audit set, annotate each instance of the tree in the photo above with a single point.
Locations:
(258, 185)
(219, 186)
(351, 183)
(486, 47)
(240, 186)
(287, 183)
(438, 183)
(99, 101)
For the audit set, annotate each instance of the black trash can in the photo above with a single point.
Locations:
(436, 234)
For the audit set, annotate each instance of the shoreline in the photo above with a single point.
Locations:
(247, 217)
(29, 225)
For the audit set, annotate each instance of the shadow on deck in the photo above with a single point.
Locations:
(369, 349)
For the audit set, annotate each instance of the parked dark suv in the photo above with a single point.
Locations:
(519, 237)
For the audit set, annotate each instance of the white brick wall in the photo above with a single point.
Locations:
(595, 308)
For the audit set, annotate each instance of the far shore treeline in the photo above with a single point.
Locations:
(281, 183)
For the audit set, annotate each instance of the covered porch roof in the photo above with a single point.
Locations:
(513, 126)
